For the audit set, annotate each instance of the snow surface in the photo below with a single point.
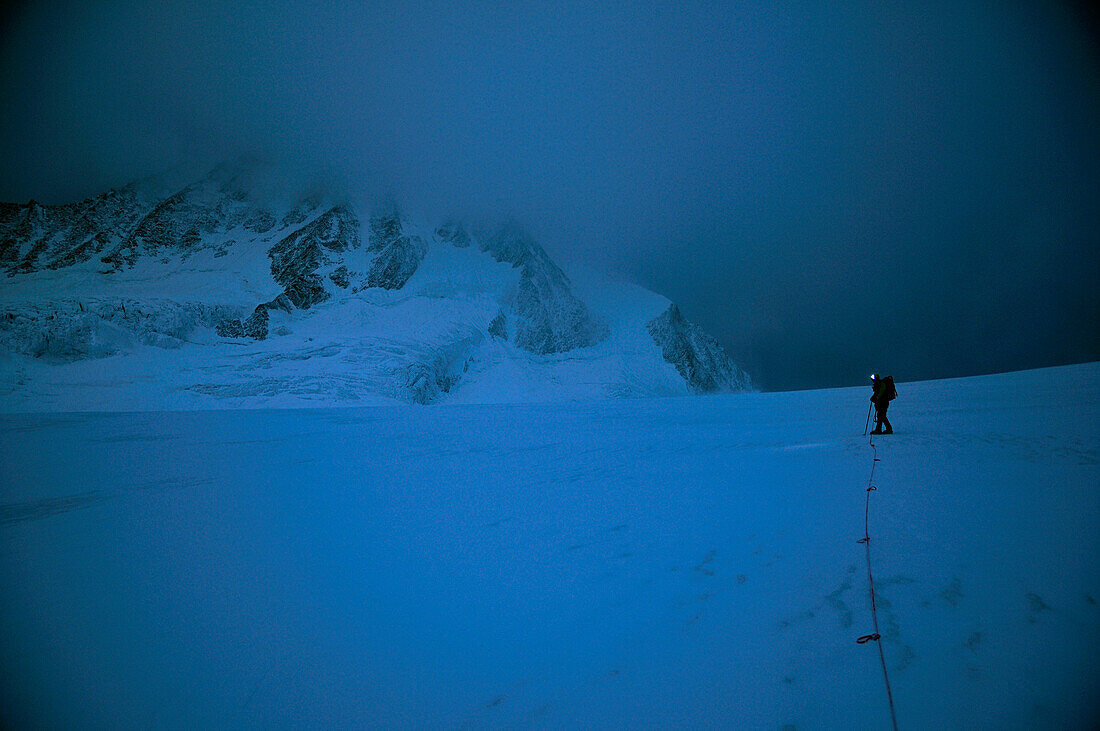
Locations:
(647, 563)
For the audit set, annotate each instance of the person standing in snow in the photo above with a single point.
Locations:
(883, 392)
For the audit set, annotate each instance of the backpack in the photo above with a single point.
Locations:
(888, 389)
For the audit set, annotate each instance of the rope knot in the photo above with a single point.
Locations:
(868, 638)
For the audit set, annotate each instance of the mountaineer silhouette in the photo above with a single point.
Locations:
(883, 393)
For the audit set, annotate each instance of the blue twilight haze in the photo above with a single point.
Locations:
(829, 189)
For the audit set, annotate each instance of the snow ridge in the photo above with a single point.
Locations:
(545, 315)
(698, 357)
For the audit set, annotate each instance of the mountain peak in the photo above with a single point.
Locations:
(333, 306)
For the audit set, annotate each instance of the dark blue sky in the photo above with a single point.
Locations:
(830, 189)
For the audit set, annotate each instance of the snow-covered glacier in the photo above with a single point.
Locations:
(222, 292)
(659, 563)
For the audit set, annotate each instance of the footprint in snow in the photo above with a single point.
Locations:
(702, 567)
(831, 601)
(953, 592)
(1036, 606)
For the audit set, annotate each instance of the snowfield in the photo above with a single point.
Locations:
(645, 563)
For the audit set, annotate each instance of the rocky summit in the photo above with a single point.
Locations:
(223, 292)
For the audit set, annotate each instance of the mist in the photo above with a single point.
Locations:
(829, 191)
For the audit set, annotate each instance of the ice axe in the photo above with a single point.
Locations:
(868, 424)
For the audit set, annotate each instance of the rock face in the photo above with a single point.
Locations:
(454, 233)
(34, 236)
(255, 325)
(397, 256)
(544, 317)
(184, 223)
(297, 259)
(696, 355)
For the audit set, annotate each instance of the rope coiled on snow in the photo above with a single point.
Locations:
(866, 541)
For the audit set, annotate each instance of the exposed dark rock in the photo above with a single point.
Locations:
(34, 236)
(9, 238)
(230, 329)
(81, 252)
(296, 259)
(259, 220)
(336, 230)
(306, 290)
(547, 317)
(453, 233)
(220, 202)
(697, 356)
(440, 370)
(282, 302)
(510, 243)
(423, 384)
(385, 228)
(256, 324)
(339, 277)
(393, 267)
(397, 256)
(498, 326)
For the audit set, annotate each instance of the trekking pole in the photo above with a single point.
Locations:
(868, 424)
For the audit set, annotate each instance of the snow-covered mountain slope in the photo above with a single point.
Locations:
(224, 294)
(635, 563)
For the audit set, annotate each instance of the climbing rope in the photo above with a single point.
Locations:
(866, 541)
